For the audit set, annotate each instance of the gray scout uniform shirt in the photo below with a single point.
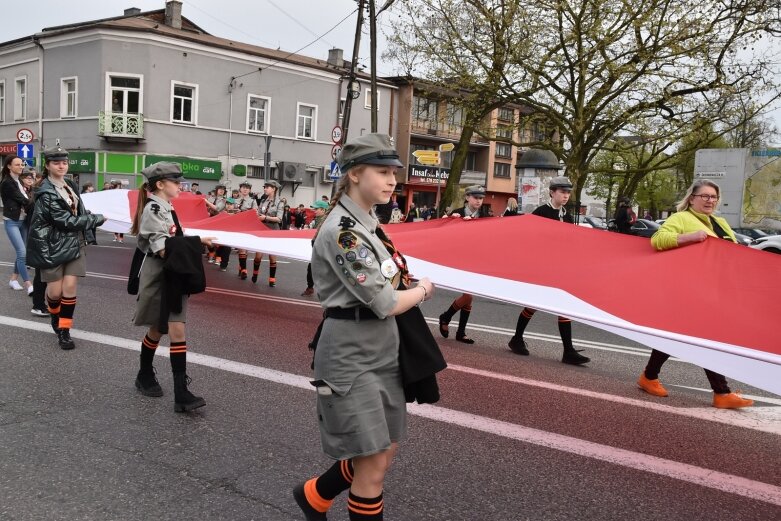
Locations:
(245, 203)
(219, 202)
(271, 208)
(157, 224)
(350, 264)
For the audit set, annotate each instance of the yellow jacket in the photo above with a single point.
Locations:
(688, 221)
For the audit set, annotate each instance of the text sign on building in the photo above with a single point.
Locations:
(191, 168)
(81, 162)
(711, 175)
(427, 175)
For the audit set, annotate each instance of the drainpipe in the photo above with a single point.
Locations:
(37, 42)
(230, 126)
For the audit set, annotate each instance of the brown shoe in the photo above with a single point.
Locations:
(653, 387)
(731, 401)
(308, 292)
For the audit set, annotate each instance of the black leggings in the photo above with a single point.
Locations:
(717, 382)
(310, 282)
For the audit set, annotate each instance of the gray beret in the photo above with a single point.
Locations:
(55, 153)
(273, 183)
(162, 170)
(476, 190)
(370, 149)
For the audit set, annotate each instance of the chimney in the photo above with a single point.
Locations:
(336, 57)
(132, 11)
(173, 14)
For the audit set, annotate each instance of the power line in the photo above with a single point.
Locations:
(226, 24)
(295, 20)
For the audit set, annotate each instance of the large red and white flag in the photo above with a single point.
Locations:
(713, 304)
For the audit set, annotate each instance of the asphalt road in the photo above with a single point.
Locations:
(513, 438)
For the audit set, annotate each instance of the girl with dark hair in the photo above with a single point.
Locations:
(17, 204)
(270, 212)
(57, 243)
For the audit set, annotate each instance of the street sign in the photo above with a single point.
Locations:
(446, 147)
(24, 135)
(336, 134)
(427, 157)
(25, 151)
(335, 151)
(336, 173)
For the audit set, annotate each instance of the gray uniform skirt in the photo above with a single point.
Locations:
(150, 289)
(365, 411)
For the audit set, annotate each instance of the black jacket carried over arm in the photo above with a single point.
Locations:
(13, 199)
(182, 275)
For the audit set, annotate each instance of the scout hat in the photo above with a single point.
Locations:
(273, 183)
(560, 182)
(320, 204)
(242, 185)
(55, 153)
(370, 149)
(475, 190)
(161, 171)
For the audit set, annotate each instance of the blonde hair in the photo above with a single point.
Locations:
(512, 204)
(343, 185)
(684, 203)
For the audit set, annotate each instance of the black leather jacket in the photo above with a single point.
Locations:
(56, 234)
(13, 200)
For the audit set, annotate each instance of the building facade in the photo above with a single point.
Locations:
(125, 92)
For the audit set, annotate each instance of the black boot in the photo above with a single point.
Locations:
(463, 319)
(572, 357)
(310, 514)
(65, 340)
(444, 320)
(184, 400)
(55, 319)
(147, 384)
(518, 346)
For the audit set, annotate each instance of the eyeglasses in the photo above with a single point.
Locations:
(707, 197)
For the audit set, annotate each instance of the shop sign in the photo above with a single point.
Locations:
(427, 175)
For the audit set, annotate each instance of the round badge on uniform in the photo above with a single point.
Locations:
(363, 252)
(350, 255)
(369, 261)
(389, 268)
(361, 278)
(357, 266)
(340, 260)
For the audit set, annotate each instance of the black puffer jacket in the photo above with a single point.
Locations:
(55, 233)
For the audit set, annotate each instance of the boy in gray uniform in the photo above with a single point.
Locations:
(360, 399)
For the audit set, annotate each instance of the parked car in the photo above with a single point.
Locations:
(595, 222)
(770, 243)
(644, 228)
(754, 233)
(745, 240)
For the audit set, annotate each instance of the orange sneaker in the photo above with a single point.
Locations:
(653, 387)
(731, 401)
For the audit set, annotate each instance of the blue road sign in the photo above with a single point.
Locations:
(335, 172)
(25, 151)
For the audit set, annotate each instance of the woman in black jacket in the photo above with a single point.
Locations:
(57, 243)
(17, 203)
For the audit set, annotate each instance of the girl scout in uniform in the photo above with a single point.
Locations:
(57, 244)
(215, 204)
(154, 222)
(360, 399)
(270, 212)
(244, 202)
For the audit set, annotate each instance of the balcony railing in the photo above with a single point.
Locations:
(441, 129)
(121, 125)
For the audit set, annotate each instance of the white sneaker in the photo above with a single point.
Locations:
(39, 312)
(30, 289)
(15, 285)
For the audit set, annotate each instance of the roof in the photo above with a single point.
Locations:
(153, 22)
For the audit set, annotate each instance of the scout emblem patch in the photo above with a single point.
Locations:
(350, 255)
(357, 266)
(348, 240)
(346, 223)
(369, 261)
(389, 268)
(363, 252)
(361, 278)
(155, 208)
(340, 260)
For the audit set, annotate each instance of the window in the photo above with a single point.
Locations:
(455, 116)
(307, 121)
(367, 102)
(20, 98)
(342, 104)
(505, 132)
(254, 171)
(2, 100)
(68, 98)
(184, 104)
(502, 170)
(424, 109)
(504, 150)
(506, 114)
(125, 93)
(258, 108)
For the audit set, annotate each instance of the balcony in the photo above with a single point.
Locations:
(117, 125)
(441, 129)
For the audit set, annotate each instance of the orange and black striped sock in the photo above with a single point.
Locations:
(178, 354)
(148, 347)
(320, 492)
(272, 271)
(68, 306)
(255, 268)
(53, 305)
(364, 509)
(523, 321)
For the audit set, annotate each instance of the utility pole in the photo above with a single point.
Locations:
(351, 83)
(373, 59)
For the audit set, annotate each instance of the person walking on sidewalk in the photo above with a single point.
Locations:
(693, 223)
(360, 398)
(155, 224)
(57, 242)
(560, 189)
(17, 206)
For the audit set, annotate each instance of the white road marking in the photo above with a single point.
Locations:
(709, 478)
(764, 399)
(765, 420)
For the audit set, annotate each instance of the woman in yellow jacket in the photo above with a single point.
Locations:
(693, 223)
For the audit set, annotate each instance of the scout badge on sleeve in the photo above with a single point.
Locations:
(348, 240)
(346, 223)
(389, 268)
